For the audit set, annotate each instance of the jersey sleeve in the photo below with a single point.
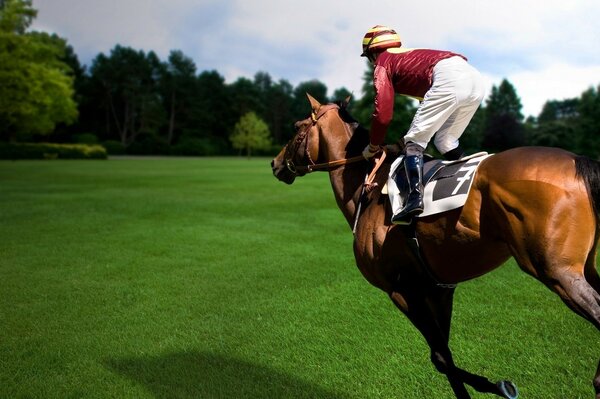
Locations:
(384, 105)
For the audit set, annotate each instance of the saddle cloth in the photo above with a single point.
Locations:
(447, 183)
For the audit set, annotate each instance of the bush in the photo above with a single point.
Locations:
(85, 138)
(114, 147)
(51, 151)
(190, 146)
(148, 145)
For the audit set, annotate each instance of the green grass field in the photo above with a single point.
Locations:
(207, 278)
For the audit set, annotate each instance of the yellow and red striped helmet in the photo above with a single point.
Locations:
(379, 38)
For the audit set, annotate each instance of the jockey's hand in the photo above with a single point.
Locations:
(370, 150)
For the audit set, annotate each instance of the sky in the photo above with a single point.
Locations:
(548, 50)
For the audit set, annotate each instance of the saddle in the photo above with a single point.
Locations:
(446, 183)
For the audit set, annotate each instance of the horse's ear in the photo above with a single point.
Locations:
(314, 104)
(346, 101)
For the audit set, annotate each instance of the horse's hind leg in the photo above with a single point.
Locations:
(591, 273)
(597, 382)
(582, 298)
(579, 295)
(573, 276)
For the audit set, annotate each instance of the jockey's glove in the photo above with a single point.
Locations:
(370, 150)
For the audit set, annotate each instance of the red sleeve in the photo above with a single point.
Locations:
(384, 105)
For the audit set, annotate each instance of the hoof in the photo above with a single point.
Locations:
(508, 389)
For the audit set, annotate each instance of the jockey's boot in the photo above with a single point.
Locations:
(413, 164)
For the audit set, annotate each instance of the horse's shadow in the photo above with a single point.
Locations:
(210, 376)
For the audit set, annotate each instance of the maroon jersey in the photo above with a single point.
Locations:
(407, 72)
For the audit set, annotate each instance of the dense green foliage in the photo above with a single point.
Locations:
(36, 92)
(154, 106)
(207, 278)
(251, 134)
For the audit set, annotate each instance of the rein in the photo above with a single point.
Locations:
(302, 137)
(330, 164)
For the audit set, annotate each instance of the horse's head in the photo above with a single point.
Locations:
(319, 140)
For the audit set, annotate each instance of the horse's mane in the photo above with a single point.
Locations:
(360, 135)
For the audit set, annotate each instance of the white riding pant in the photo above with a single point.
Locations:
(447, 108)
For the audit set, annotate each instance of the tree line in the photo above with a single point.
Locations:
(132, 101)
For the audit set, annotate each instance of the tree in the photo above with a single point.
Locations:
(212, 118)
(128, 83)
(472, 137)
(179, 85)
(282, 117)
(251, 133)
(572, 124)
(556, 133)
(589, 113)
(300, 107)
(36, 90)
(556, 110)
(557, 125)
(276, 101)
(341, 94)
(503, 125)
(245, 97)
(16, 15)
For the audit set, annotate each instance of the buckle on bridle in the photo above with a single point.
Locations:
(290, 166)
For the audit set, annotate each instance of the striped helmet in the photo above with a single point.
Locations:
(379, 38)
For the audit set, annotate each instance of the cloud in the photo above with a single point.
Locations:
(547, 50)
(92, 27)
(545, 84)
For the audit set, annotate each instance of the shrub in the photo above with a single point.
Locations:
(51, 151)
(85, 138)
(114, 147)
(191, 146)
(148, 145)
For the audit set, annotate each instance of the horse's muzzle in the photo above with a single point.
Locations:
(283, 171)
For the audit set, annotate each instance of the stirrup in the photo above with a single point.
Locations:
(406, 216)
(405, 221)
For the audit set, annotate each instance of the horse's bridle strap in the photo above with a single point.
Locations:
(330, 164)
(315, 116)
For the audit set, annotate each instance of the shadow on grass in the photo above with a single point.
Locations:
(210, 376)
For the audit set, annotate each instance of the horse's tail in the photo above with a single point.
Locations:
(589, 171)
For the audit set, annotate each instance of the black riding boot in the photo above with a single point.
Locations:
(413, 164)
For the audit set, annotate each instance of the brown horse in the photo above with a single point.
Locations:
(538, 205)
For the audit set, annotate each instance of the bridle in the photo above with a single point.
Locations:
(302, 138)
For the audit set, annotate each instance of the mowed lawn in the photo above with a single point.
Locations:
(207, 278)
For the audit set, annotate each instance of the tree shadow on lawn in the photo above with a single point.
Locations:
(210, 376)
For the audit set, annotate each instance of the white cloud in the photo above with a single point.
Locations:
(93, 27)
(550, 83)
(547, 50)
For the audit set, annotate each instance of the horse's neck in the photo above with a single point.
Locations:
(347, 180)
(347, 184)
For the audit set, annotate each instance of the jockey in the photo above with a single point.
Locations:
(450, 91)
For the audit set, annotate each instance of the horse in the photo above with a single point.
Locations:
(538, 205)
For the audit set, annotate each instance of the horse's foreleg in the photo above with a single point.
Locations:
(430, 310)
